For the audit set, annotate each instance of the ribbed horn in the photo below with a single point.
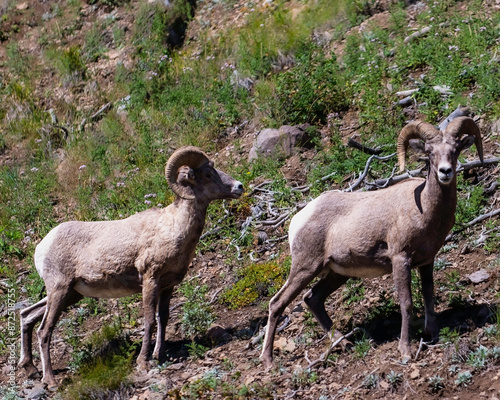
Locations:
(414, 130)
(190, 156)
(466, 126)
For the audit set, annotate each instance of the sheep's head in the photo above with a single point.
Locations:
(442, 147)
(191, 174)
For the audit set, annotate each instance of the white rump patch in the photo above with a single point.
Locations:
(300, 219)
(43, 248)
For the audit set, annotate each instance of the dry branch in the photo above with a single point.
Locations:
(384, 182)
(477, 163)
(459, 112)
(325, 355)
(365, 172)
(406, 93)
(481, 218)
(417, 34)
(365, 149)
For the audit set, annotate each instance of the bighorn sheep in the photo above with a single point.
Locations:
(369, 234)
(148, 252)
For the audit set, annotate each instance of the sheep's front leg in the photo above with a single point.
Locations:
(431, 326)
(402, 280)
(149, 302)
(162, 319)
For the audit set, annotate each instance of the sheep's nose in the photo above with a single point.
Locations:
(446, 170)
(239, 186)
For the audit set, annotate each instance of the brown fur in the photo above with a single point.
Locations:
(368, 234)
(147, 253)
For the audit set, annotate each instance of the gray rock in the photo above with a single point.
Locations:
(38, 392)
(282, 141)
(479, 276)
(217, 334)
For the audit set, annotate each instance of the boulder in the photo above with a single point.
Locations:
(280, 142)
(218, 335)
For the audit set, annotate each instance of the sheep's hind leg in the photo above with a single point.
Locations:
(162, 319)
(316, 297)
(29, 317)
(299, 278)
(57, 300)
(431, 326)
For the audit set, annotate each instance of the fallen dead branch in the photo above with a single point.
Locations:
(367, 168)
(365, 149)
(106, 107)
(325, 355)
(477, 220)
(477, 163)
(262, 332)
(384, 182)
(459, 112)
(417, 34)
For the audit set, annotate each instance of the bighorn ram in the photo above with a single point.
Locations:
(147, 253)
(369, 234)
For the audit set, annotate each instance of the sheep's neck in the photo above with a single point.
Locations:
(439, 202)
(192, 214)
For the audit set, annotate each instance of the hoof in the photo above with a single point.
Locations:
(51, 384)
(160, 357)
(405, 359)
(30, 370)
(142, 365)
(266, 363)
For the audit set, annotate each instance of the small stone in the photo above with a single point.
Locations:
(176, 366)
(23, 6)
(479, 276)
(415, 374)
(286, 345)
(249, 380)
(150, 395)
(38, 392)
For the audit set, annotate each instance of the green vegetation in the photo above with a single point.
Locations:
(102, 363)
(362, 347)
(256, 280)
(197, 315)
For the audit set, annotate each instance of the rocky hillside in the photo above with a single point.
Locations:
(292, 98)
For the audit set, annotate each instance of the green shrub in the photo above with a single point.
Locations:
(102, 364)
(256, 280)
(312, 89)
(72, 63)
(470, 202)
(197, 314)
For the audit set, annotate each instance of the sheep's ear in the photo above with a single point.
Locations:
(185, 175)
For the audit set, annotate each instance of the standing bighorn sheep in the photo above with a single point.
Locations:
(369, 234)
(147, 253)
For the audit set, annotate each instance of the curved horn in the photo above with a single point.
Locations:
(466, 125)
(414, 130)
(190, 156)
